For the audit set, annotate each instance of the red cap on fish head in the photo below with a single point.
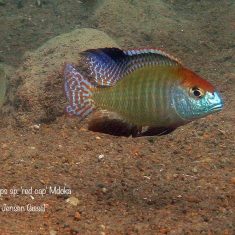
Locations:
(191, 79)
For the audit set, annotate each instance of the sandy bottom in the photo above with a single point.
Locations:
(180, 183)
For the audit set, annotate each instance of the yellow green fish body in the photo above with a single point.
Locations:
(142, 97)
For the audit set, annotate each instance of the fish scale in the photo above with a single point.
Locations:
(130, 96)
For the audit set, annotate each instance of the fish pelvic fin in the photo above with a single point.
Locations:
(78, 91)
(109, 65)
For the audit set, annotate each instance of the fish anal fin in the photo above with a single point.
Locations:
(157, 131)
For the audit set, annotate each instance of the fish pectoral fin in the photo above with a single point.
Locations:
(152, 131)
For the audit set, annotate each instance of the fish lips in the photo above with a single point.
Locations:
(216, 102)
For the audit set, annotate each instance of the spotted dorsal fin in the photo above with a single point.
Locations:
(109, 65)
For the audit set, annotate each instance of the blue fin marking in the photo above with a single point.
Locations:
(106, 65)
(109, 65)
(78, 93)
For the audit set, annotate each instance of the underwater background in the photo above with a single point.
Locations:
(180, 183)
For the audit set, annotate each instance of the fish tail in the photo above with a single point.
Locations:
(78, 91)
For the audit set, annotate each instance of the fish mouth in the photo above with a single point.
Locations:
(216, 102)
(217, 108)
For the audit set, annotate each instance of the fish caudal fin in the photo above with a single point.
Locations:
(78, 91)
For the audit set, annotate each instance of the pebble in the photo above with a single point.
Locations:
(53, 232)
(101, 156)
(98, 138)
(4, 146)
(36, 127)
(38, 3)
(163, 230)
(42, 181)
(146, 177)
(194, 170)
(233, 180)
(77, 215)
(73, 201)
(32, 147)
(74, 231)
(104, 190)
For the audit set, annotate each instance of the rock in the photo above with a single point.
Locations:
(100, 157)
(35, 127)
(73, 201)
(53, 232)
(2, 2)
(5, 72)
(233, 180)
(104, 190)
(194, 170)
(38, 83)
(4, 146)
(168, 22)
(38, 3)
(77, 216)
(2, 86)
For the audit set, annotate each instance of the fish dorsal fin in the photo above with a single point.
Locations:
(106, 65)
(154, 52)
(109, 65)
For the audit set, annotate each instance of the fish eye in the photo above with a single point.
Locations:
(197, 92)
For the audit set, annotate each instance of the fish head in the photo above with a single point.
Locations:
(195, 97)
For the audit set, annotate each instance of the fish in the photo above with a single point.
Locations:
(145, 87)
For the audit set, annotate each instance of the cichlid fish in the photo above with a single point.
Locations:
(146, 87)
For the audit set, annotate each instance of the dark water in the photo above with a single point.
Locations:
(26, 24)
